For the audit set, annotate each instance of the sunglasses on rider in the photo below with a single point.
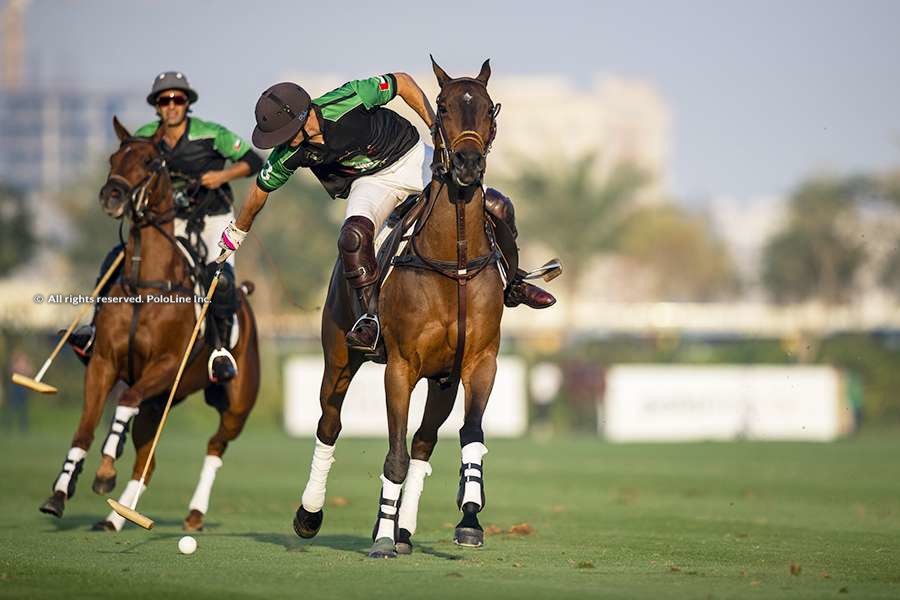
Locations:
(176, 100)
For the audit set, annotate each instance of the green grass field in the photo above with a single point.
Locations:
(719, 520)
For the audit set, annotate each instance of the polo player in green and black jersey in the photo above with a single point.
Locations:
(196, 153)
(363, 152)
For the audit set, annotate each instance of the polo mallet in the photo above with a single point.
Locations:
(129, 512)
(36, 384)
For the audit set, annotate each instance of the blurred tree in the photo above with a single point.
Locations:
(687, 262)
(295, 245)
(17, 241)
(573, 214)
(815, 255)
(93, 234)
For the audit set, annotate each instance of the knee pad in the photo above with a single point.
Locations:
(501, 207)
(356, 245)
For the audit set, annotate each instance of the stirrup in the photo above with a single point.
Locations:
(374, 319)
(548, 272)
(216, 354)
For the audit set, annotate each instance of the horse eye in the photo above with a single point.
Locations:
(442, 109)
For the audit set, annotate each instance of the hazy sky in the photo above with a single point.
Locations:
(761, 93)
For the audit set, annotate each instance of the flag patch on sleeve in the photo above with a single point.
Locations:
(383, 84)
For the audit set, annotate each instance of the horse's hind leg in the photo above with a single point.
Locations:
(240, 397)
(340, 367)
(99, 379)
(437, 408)
(399, 380)
(154, 380)
(145, 425)
(470, 498)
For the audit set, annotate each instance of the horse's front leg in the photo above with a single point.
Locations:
(398, 384)
(438, 406)
(154, 380)
(99, 380)
(470, 498)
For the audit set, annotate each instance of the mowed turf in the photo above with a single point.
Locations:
(712, 520)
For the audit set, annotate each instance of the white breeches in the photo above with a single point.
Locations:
(375, 196)
(213, 226)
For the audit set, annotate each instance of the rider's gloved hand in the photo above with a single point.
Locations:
(231, 240)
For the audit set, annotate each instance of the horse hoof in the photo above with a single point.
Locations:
(469, 537)
(194, 521)
(54, 505)
(307, 524)
(103, 486)
(103, 526)
(404, 543)
(383, 548)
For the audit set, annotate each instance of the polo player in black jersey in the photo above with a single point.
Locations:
(363, 152)
(196, 153)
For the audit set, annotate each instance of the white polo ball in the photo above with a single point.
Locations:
(187, 545)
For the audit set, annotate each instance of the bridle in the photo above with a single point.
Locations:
(445, 149)
(139, 194)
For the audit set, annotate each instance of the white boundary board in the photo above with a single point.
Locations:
(680, 403)
(364, 413)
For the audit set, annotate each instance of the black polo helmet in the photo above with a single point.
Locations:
(170, 80)
(281, 112)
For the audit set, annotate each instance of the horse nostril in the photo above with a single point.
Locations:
(459, 159)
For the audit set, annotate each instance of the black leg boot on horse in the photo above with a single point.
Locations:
(82, 339)
(357, 248)
(220, 319)
(518, 291)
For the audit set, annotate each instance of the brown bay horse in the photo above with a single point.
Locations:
(448, 279)
(143, 343)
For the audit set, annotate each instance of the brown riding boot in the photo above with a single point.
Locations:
(520, 291)
(356, 245)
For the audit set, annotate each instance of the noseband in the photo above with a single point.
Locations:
(440, 134)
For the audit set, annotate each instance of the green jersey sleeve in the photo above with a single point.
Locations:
(147, 130)
(229, 144)
(375, 91)
(275, 172)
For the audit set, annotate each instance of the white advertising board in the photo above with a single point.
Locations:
(679, 403)
(364, 413)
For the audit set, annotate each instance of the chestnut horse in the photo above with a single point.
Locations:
(143, 343)
(448, 279)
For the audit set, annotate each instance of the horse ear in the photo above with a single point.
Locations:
(441, 75)
(121, 132)
(485, 72)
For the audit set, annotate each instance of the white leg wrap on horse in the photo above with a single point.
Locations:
(73, 459)
(131, 490)
(412, 490)
(389, 491)
(200, 501)
(313, 498)
(123, 415)
(473, 454)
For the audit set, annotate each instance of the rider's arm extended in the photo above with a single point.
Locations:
(412, 94)
(253, 203)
